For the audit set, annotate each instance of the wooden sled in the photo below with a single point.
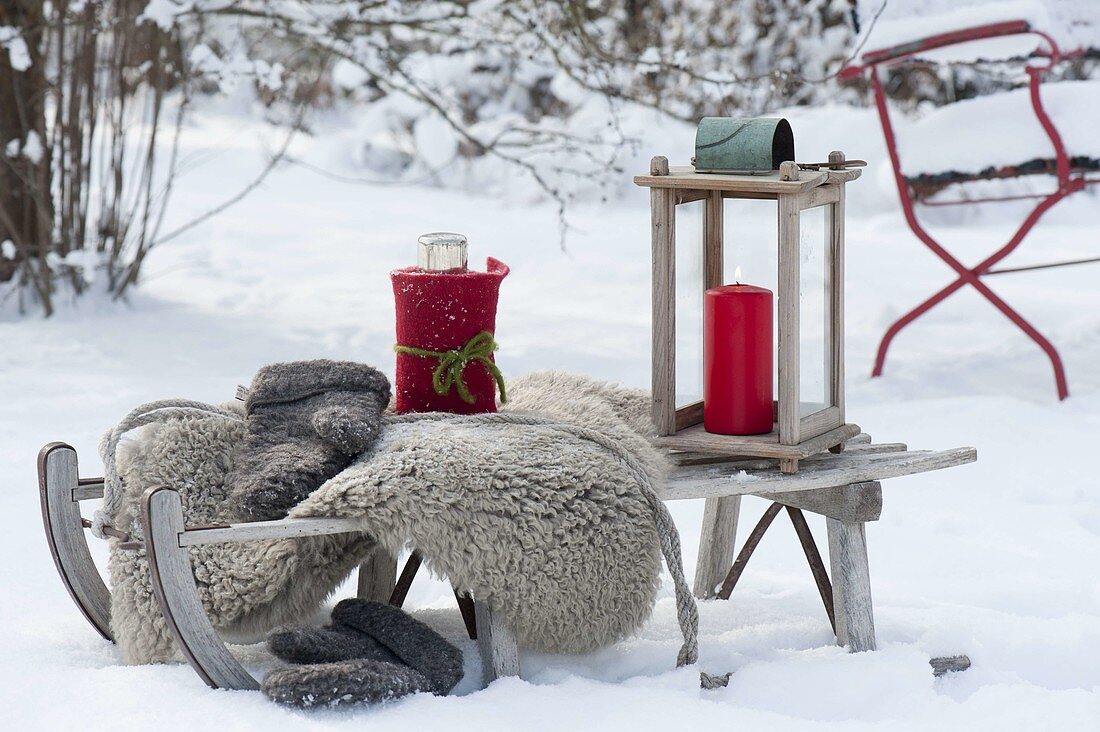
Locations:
(842, 487)
(62, 490)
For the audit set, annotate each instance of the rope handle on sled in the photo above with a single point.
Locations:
(102, 525)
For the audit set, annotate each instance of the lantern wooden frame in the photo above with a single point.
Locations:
(794, 436)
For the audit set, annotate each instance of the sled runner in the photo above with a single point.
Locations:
(1073, 169)
(842, 487)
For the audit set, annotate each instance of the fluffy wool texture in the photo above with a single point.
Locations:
(371, 652)
(550, 529)
(307, 420)
(246, 588)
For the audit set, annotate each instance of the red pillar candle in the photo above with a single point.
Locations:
(737, 360)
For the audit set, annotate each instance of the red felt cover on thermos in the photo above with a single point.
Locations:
(441, 311)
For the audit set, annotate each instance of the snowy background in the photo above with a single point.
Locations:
(996, 560)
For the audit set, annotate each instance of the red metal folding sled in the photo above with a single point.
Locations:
(1071, 174)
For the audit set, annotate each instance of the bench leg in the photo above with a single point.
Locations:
(855, 621)
(499, 652)
(377, 576)
(716, 544)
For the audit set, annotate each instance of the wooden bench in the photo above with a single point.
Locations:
(845, 488)
(842, 487)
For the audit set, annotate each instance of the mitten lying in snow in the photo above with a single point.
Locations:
(334, 642)
(307, 421)
(371, 652)
(344, 682)
(413, 642)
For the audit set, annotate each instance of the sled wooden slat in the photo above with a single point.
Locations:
(865, 448)
(709, 481)
(89, 492)
(278, 529)
(58, 483)
(178, 597)
(88, 489)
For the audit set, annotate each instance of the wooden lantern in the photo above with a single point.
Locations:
(797, 434)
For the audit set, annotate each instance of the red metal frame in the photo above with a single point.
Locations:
(1068, 181)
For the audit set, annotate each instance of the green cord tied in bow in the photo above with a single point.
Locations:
(452, 363)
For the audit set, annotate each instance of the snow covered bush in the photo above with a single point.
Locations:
(83, 96)
(91, 96)
(533, 86)
(516, 85)
(479, 94)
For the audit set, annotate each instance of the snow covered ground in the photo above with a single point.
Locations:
(996, 560)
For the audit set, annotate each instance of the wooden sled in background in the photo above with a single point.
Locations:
(842, 487)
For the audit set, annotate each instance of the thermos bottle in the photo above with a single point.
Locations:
(446, 321)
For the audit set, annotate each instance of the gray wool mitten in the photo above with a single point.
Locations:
(343, 682)
(307, 421)
(371, 652)
(335, 642)
(412, 641)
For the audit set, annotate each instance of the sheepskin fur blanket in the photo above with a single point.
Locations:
(547, 527)
(247, 589)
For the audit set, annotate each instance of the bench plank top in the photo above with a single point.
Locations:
(862, 462)
(828, 471)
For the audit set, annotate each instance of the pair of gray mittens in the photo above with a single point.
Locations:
(370, 653)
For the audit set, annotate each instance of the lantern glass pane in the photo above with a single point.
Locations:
(751, 238)
(814, 312)
(689, 303)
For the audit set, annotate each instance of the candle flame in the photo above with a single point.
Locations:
(737, 275)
